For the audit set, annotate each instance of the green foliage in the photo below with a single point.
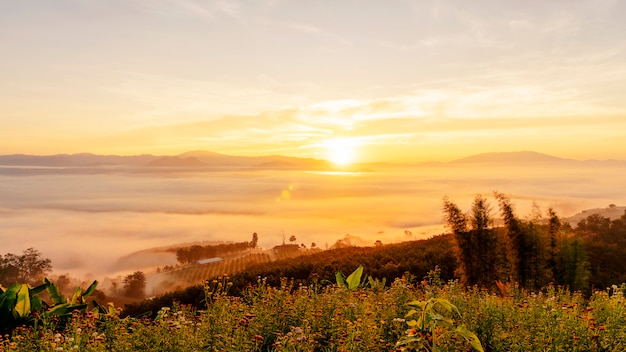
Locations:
(353, 281)
(604, 243)
(20, 305)
(431, 326)
(28, 267)
(302, 318)
(356, 280)
(386, 262)
(537, 251)
(135, 285)
(476, 247)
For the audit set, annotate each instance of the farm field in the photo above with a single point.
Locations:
(179, 278)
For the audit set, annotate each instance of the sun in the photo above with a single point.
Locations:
(341, 151)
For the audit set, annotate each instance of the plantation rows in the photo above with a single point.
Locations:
(198, 273)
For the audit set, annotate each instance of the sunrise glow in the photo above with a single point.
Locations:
(341, 151)
(152, 146)
(451, 78)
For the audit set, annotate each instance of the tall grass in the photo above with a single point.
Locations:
(329, 318)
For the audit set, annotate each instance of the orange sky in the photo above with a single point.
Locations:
(366, 81)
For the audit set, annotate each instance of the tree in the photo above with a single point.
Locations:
(63, 282)
(554, 225)
(574, 264)
(485, 242)
(255, 240)
(292, 238)
(27, 268)
(604, 241)
(516, 246)
(135, 285)
(476, 244)
(528, 257)
(457, 222)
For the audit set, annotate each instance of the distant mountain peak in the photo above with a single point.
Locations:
(199, 154)
(510, 157)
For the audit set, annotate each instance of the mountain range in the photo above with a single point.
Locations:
(206, 159)
(194, 159)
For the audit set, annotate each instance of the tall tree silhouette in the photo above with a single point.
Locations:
(476, 246)
(526, 246)
(29, 267)
(515, 241)
(554, 226)
(485, 242)
(135, 285)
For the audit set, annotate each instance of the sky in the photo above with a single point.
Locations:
(342, 80)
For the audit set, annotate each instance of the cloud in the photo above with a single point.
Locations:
(91, 220)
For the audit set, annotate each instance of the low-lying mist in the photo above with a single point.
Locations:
(86, 222)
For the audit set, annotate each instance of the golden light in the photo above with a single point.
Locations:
(341, 151)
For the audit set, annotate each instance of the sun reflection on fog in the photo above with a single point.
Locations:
(286, 193)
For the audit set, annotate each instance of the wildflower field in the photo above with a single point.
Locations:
(334, 318)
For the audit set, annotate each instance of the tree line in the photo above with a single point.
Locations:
(531, 252)
(191, 254)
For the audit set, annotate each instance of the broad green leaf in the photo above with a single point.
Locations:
(53, 290)
(77, 294)
(35, 290)
(59, 309)
(7, 302)
(112, 311)
(340, 280)
(22, 303)
(354, 279)
(421, 322)
(36, 304)
(435, 317)
(446, 305)
(90, 289)
(410, 313)
(100, 308)
(470, 337)
(420, 304)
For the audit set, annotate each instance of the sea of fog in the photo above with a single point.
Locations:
(85, 220)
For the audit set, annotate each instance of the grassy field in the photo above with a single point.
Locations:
(330, 318)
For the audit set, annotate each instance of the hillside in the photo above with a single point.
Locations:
(599, 242)
(386, 261)
(178, 278)
(612, 212)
